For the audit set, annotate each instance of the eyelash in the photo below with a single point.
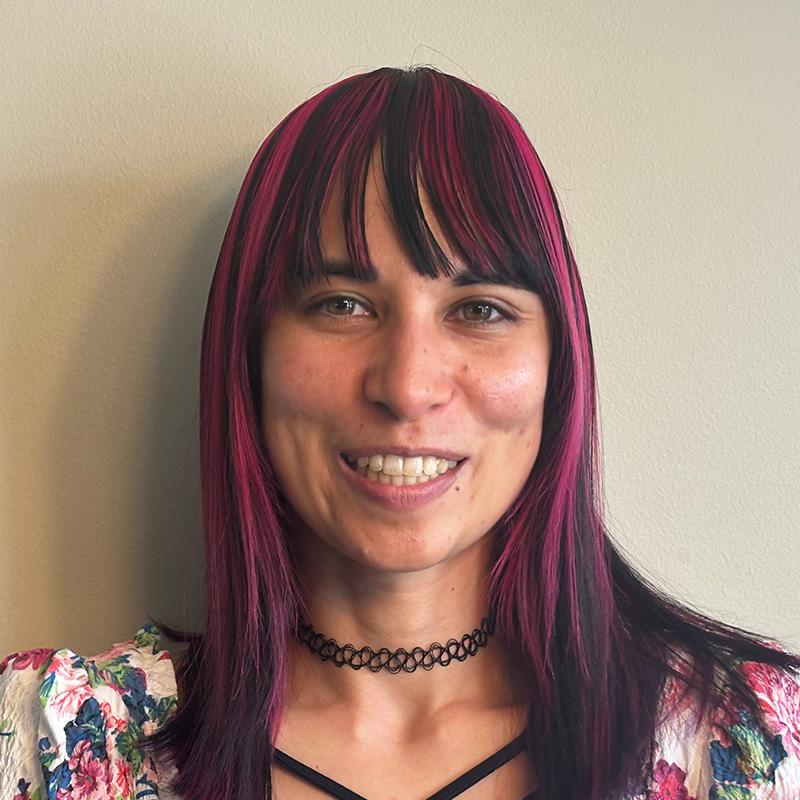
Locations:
(502, 315)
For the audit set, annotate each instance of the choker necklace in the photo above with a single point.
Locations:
(395, 660)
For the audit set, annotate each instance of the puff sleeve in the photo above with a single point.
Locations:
(729, 755)
(69, 724)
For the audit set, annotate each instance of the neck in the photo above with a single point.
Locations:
(355, 604)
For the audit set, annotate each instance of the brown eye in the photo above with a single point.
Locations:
(480, 312)
(342, 306)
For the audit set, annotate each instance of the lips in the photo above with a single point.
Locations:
(400, 490)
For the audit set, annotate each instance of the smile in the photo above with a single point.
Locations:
(401, 483)
(396, 470)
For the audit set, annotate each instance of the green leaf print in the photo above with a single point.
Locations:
(147, 637)
(127, 745)
(729, 792)
(113, 672)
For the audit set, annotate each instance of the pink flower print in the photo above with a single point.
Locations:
(27, 658)
(671, 786)
(676, 698)
(779, 698)
(90, 776)
(72, 687)
(112, 652)
(122, 778)
(113, 723)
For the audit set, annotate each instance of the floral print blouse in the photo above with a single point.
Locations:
(69, 727)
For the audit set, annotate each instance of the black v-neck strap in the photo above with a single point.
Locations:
(454, 788)
(480, 771)
(310, 775)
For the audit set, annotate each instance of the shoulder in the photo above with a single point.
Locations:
(726, 753)
(760, 757)
(69, 724)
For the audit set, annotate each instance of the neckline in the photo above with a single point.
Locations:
(452, 789)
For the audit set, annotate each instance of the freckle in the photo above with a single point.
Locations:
(458, 488)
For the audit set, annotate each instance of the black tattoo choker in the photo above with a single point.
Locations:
(400, 660)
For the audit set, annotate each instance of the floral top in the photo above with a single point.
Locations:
(69, 726)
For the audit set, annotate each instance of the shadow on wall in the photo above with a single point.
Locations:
(105, 517)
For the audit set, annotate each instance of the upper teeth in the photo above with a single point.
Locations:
(408, 466)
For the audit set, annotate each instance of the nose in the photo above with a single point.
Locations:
(409, 372)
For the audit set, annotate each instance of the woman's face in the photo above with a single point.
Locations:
(440, 380)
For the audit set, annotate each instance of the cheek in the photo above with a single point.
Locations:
(287, 385)
(308, 399)
(285, 369)
(509, 395)
(508, 398)
(296, 377)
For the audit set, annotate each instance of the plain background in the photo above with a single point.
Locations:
(670, 133)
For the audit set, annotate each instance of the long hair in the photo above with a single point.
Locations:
(596, 641)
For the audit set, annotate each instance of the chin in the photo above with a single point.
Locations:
(405, 552)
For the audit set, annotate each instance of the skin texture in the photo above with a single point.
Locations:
(422, 363)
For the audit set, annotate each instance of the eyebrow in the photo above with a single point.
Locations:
(466, 276)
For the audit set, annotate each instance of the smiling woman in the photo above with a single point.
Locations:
(445, 379)
(399, 449)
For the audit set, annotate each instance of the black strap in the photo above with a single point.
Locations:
(454, 788)
(477, 773)
(310, 775)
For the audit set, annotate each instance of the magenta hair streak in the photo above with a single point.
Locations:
(596, 640)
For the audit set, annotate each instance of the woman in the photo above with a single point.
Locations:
(399, 448)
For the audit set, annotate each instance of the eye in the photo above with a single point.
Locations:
(341, 306)
(481, 312)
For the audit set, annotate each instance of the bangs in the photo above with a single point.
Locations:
(435, 133)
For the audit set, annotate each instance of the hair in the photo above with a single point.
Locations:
(597, 642)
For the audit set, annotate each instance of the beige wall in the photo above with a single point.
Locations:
(670, 132)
